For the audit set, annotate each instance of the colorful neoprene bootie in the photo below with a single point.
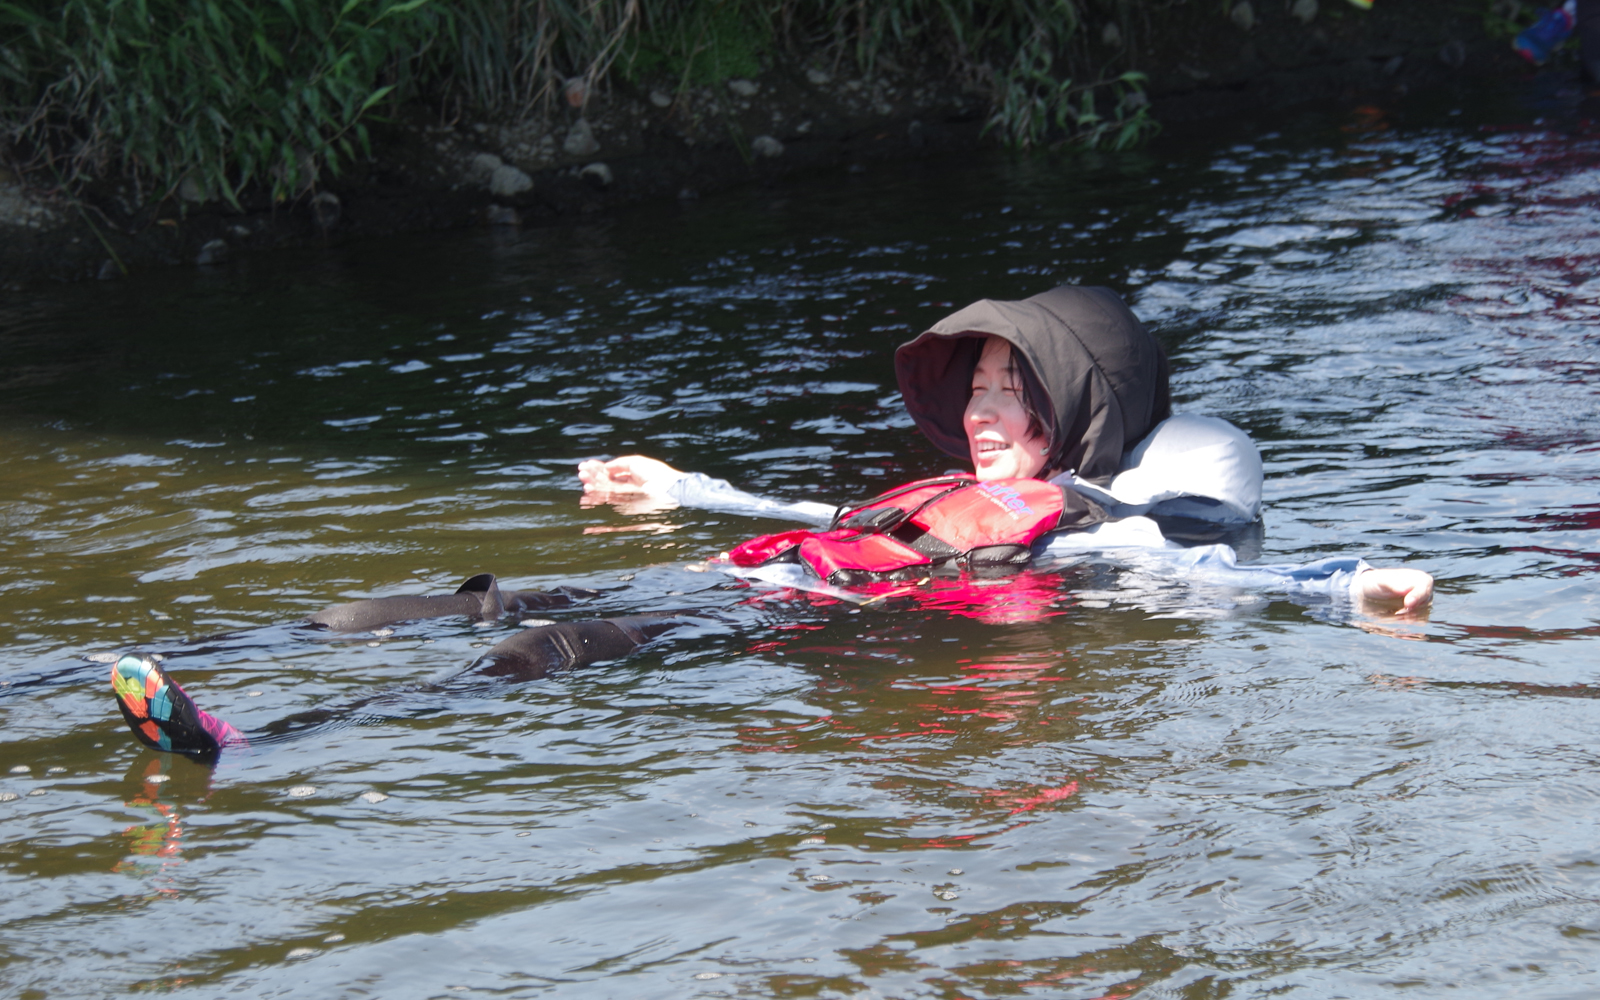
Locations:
(1547, 33)
(161, 715)
(1363, 4)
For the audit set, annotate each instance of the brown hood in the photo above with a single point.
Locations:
(1100, 377)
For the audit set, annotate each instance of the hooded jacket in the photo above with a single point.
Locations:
(1099, 376)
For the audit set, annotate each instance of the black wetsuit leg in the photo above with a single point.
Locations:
(536, 652)
(163, 717)
(529, 655)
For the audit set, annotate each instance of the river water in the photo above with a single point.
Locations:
(1091, 783)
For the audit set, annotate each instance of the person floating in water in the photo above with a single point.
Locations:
(1061, 405)
(1069, 389)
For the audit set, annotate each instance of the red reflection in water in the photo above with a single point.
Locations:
(1026, 803)
(162, 839)
(1007, 690)
(1583, 517)
(1024, 597)
(1589, 557)
(1012, 800)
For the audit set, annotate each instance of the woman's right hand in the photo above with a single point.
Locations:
(630, 474)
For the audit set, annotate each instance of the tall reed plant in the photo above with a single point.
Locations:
(1033, 57)
(221, 93)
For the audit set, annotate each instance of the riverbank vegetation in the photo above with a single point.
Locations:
(211, 98)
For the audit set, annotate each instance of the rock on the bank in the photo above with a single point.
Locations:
(501, 178)
(214, 252)
(580, 139)
(325, 208)
(507, 181)
(597, 174)
(17, 209)
(767, 146)
(482, 168)
(192, 191)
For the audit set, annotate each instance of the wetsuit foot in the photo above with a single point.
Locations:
(161, 715)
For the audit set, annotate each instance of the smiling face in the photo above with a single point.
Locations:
(997, 421)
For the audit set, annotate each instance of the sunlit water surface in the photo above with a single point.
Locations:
(1089, 784)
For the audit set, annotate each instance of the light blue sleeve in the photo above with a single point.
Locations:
(1218, 564)
(1136, 543)
(696, 489)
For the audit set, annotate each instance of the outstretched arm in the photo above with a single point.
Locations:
(637, 484)
(1137, 542)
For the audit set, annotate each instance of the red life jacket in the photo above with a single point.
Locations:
(906, 533)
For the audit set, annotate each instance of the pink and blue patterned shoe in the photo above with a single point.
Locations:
(161, 715)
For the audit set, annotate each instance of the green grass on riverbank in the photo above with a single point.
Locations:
(213, 97)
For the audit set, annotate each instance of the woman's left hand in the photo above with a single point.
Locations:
(1398, 591)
